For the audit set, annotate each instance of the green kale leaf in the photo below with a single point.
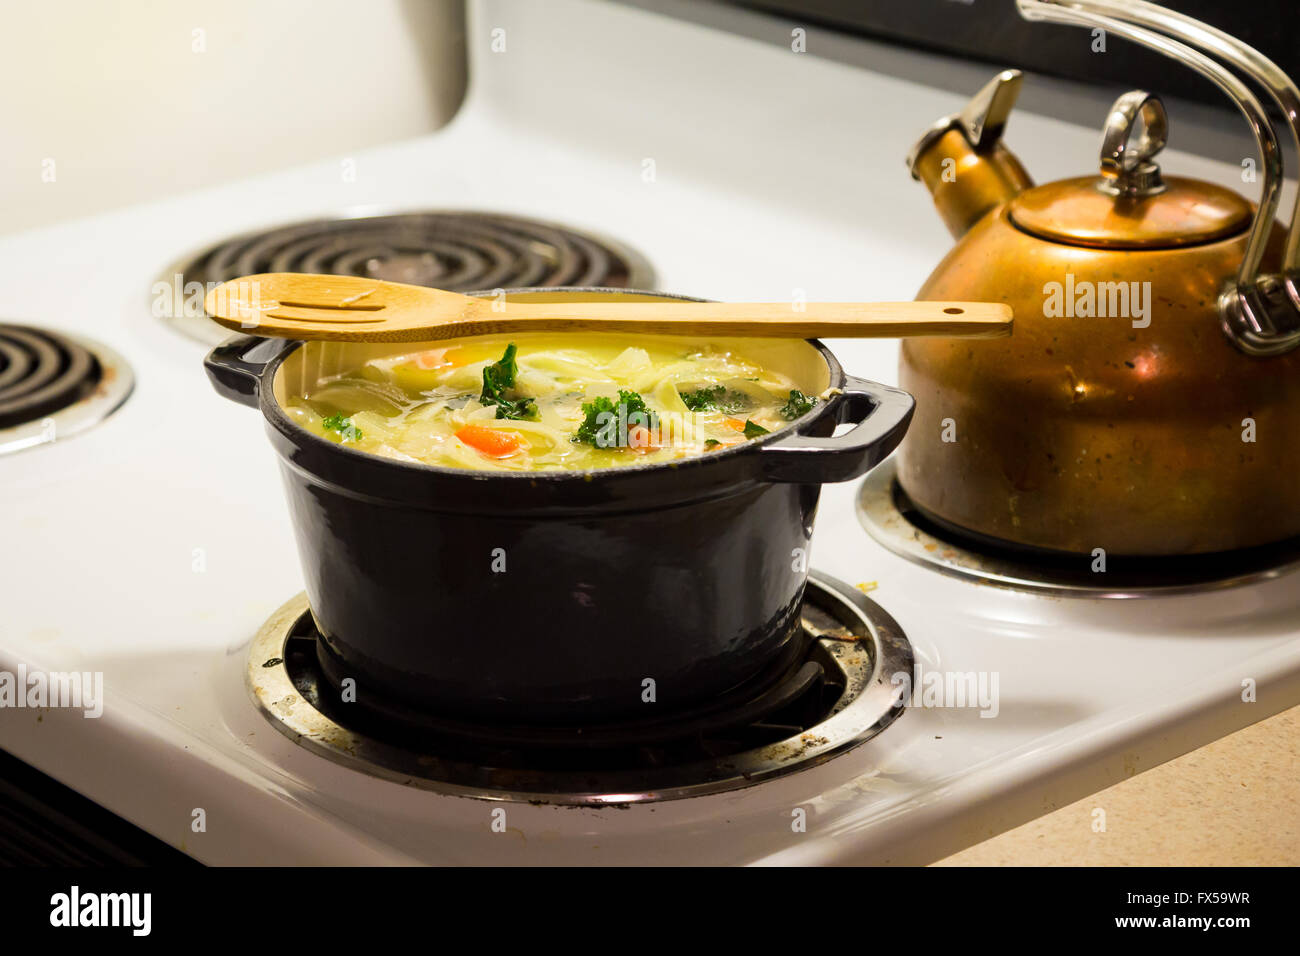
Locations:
(344, 426)
(798, 405)
(499, 378)
(716, 398)
(605, 422)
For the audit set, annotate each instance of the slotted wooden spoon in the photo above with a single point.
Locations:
(291, 305)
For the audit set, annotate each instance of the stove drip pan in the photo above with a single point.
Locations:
(891, 518)
(53, 385)
(836, 692)
(461, 251)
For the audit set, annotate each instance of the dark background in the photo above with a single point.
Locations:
(991, 31)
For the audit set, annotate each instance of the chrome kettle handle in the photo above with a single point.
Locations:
(1260, 314)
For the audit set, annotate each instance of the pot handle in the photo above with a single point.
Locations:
(880, 416)
(231, 372)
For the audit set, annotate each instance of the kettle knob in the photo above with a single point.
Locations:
(1127, 167)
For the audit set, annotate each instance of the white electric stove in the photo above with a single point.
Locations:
(154, 546)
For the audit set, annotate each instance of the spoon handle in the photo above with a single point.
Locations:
(783, 319)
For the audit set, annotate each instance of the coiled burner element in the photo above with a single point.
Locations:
(54, 385)
(40, 373)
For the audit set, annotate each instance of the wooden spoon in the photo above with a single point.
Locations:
(293, 305)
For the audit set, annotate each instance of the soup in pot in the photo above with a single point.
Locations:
(548, 402)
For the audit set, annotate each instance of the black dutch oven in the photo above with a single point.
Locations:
(559, 597)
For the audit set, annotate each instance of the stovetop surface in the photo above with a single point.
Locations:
(153, 546)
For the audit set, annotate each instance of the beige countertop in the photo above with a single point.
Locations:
(1233, 802)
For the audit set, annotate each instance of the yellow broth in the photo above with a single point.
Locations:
(574, 402)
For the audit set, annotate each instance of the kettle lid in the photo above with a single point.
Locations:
(1131, 206)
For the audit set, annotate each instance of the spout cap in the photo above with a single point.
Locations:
(981, 121)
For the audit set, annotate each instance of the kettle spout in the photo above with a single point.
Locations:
(962, 161)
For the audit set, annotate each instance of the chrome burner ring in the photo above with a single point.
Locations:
(859, 645)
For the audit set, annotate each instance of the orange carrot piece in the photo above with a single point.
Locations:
(437, 358)
(641, 439)
(490, 441)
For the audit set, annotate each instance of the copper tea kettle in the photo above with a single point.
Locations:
(1149, 400)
